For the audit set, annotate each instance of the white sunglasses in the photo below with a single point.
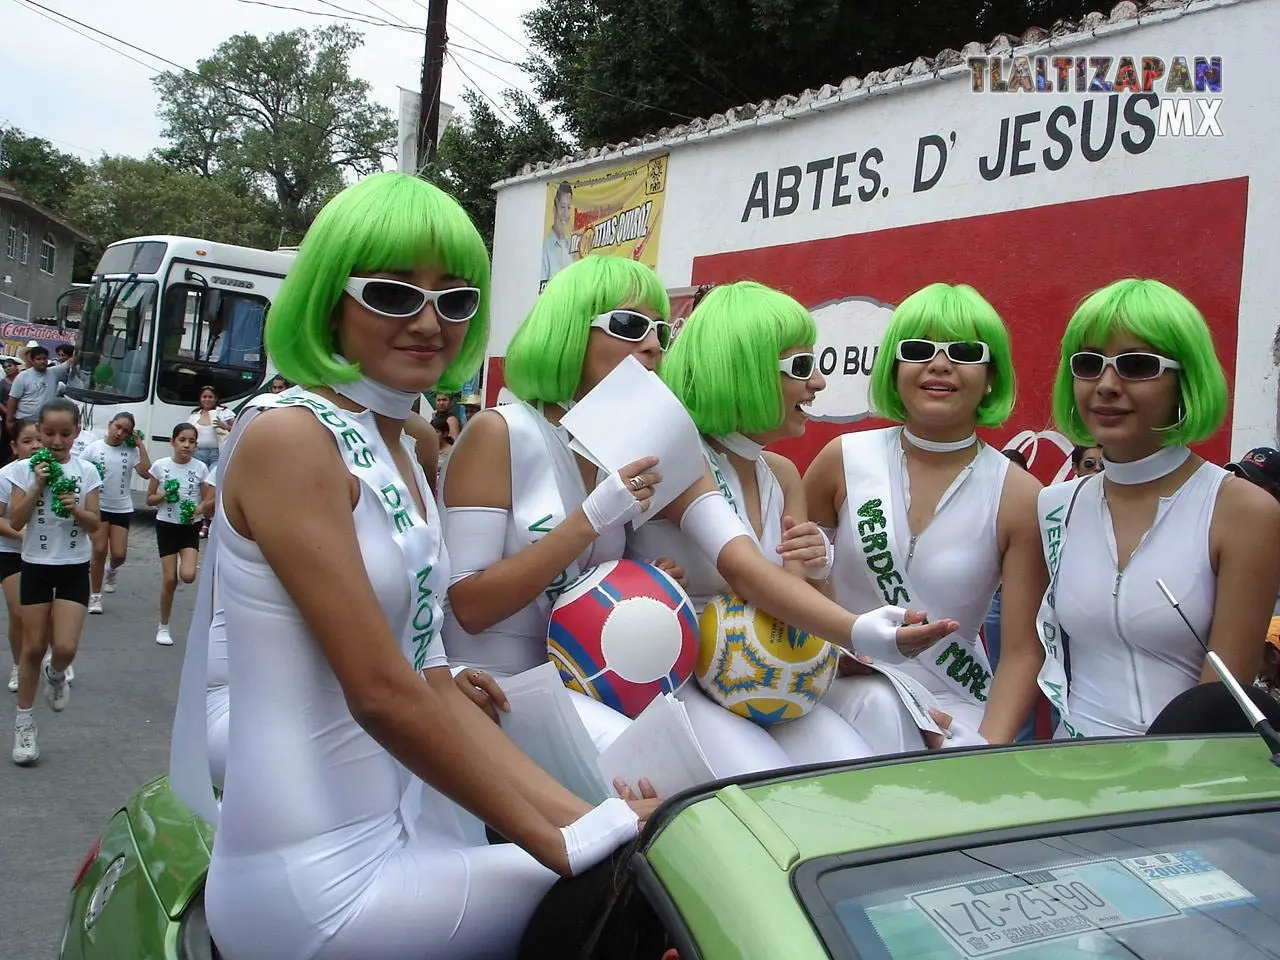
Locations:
(633, 327)
(798, 366)
(395, 298)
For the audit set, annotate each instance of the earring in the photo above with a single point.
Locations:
(988, 388)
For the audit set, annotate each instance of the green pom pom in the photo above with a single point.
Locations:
(131, 440)
(102, 469)
(59, 482)
(186, 511)
(171, 494)
(103, 373)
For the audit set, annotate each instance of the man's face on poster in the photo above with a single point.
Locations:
(564, 208)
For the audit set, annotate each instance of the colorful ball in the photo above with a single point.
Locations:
(759, 667)
(624, 633)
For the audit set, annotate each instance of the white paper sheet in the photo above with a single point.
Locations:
(545, 726)
(629, 415)
(914, 695)
(660, 746)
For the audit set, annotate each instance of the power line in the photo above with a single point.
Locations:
(383, 9)
(38, 12)
(481, 67)
(497, 106)
(519, 43)
(221, 87)
(323, 13)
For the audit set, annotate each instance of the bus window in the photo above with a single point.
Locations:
(113, 361)
(210, 337)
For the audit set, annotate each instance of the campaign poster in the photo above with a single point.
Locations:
(15, 335)
(616, 211)
(1033, 265)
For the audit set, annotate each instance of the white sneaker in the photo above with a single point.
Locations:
(109, 585)
(25, 749)
(13, 680)
(162, 636)
(95, 603)
(48, 664)
(57, 692)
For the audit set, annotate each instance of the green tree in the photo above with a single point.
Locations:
(39, 170)
(283, 115)
(126, 197)
(484, 148)
(616, 69)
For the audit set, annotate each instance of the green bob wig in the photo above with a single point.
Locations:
(386, 223)
(724, 364)
(1160, 316)
(944, 312)
(544, 359)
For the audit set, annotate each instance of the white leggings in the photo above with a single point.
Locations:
(217, 704)
(423, 901)
(871, 706)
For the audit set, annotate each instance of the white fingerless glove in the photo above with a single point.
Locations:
(597, 833)
(962, 736)
(611, 504)
(875, 634)
(823, 572)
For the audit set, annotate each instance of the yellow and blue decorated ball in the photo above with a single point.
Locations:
(759, 667)
(623, 633)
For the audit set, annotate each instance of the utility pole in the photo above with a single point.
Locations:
(432, 73)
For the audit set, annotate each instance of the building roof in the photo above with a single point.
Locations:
(1126, 15)
(10, 193)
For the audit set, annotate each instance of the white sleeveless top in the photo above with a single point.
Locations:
(953, 566)
(304, 782)
(1130, 652)
(546, 486)
(662, 538)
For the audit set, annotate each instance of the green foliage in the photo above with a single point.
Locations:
(39, 170)
(484, 148)
(616, 69)
(125, 197)
(282, 115)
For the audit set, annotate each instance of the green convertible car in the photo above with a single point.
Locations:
(1160, 848)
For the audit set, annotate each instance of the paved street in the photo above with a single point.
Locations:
(113, 736)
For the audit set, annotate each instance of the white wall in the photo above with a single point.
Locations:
(709, 181)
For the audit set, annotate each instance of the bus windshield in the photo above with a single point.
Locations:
(113, 356)
(210, 337)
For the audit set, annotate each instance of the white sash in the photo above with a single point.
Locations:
(418, 541)
(730, 485)
(537, 498)
(962, 668)
(1053, 510)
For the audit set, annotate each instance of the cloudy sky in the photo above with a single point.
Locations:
(87, 99)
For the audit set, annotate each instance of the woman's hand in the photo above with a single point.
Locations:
(807, 544)
(645, 804)
(853, 665)
(892, 633)
(936, 741)
(484, 691)
(673, 570)
(621, 497)
(41, 472)
(70, 501)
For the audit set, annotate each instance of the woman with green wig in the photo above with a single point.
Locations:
(525, 515)
(329, 568)
(744, 367)
(926, 514)
(1139, 377)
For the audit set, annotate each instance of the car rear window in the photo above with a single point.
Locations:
(1201, 889)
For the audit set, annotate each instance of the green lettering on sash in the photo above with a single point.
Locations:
(881, 563)
(557, 586)
(422, 639)
(540, 525)
(363, 458)
(952, 650)
(871, 510)
(333, 420)
(403, 520)
(391, 495)
(876, 541)
(352, 438)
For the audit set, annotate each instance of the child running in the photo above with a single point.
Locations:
(119, 455)
(180, 489)
(23, 445)
(54, 502)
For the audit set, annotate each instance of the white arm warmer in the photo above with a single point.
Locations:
(476, 537)
(711, 523)
(823, 572)
(611, 504)
(875, 634)
(597, 833)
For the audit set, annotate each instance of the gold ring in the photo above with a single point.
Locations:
(636, 483)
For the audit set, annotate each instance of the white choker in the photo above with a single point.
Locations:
(378, 397)
(1160, 464)
(743, 446)
(939, 446)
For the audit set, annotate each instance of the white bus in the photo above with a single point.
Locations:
(164, 317)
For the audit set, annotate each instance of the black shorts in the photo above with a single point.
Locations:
(43, 582)
(173, 538)
(117, 519)
(10, 563)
